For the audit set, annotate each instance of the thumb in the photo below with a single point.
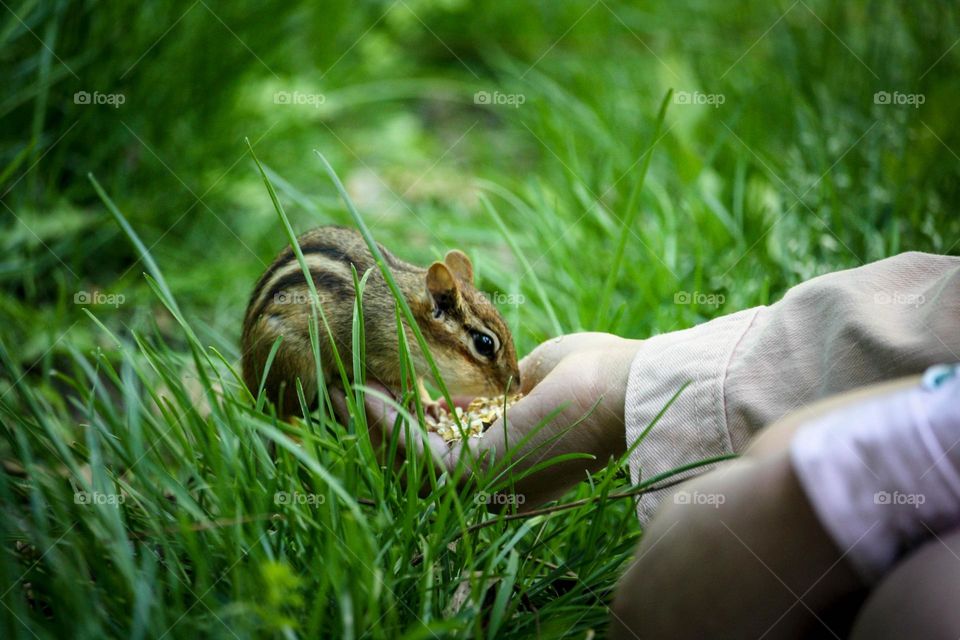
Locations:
(542, 360)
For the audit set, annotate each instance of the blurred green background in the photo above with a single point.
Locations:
(798, 171)
(802, 137)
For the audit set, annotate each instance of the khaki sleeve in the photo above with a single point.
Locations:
(884, 320)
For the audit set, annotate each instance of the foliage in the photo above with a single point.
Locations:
(518, 132)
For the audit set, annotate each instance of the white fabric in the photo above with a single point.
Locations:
(884, 320)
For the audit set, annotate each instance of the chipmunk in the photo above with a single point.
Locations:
(466, 335)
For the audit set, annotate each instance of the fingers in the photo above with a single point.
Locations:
(380, 413)
(339, 401)
(382, 421)
(412, 438)
(541, 361)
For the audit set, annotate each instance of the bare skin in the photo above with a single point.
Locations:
(583, 374)
(759, 564)
(918, 598)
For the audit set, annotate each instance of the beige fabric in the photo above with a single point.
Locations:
(836, 332)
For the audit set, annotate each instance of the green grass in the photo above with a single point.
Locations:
(578, 205)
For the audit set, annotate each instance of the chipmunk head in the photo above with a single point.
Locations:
(468, 338)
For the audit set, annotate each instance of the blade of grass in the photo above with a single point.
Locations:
(630, 215)
(527, 267)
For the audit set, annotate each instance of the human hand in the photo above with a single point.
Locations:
(574, 390)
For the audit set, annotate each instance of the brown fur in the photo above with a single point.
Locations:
(279, 306)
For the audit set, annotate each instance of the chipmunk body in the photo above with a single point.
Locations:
(466, 335)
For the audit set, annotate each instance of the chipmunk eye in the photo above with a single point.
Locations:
(483, 344)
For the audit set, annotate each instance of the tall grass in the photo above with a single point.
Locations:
(170, 518)
(233, 523)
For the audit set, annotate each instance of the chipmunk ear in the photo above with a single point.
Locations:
(442, 287)
(460, 265)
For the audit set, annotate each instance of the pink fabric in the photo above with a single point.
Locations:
(884, 475)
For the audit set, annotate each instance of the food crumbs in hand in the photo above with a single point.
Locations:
(478, 416)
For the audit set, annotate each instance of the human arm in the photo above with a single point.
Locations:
(747, 370)
(822, 505)
(740, 551)
(738, 373)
